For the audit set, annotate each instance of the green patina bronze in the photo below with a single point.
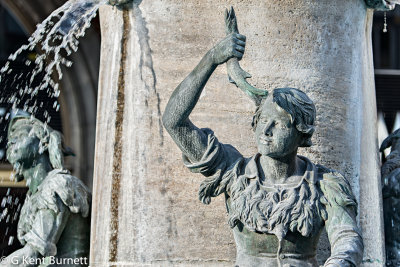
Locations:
(391, 198)
(277, 201)
(123, 4)
(382, 4)
(55, 218)
(119, 2)
(236, 74)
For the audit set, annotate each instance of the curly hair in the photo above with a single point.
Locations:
(300, 107)
(50, 141)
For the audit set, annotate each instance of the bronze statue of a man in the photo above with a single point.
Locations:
(278, 202)
(54, 224)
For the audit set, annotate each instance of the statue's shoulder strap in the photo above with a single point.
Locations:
(69, 189)
(335, 188)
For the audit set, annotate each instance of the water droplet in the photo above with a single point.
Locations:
(3, 202)
(4, 213)
(57, 36)
(10, 240)
(15, 216)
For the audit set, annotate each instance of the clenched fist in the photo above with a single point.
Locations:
(231, 46)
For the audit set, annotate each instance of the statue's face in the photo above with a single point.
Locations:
(22, 147)
(276, 136)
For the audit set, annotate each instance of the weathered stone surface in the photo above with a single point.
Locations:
(145, 202)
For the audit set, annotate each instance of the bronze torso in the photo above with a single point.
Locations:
(279, 215)
(67, 199)
(278, 225)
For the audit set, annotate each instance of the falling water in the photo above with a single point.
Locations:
(49, 47)
(53, 41)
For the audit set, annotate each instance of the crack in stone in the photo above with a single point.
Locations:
(147, 73)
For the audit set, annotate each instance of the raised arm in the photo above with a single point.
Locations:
(190, 139)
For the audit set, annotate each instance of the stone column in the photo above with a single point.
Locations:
(145, 207)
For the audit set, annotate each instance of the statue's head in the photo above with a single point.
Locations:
(29, 139)
(283, 122)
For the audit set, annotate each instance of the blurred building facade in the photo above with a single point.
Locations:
(387, 70)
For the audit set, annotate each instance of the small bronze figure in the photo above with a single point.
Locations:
(278, 202)
(391, 198)
(54, 224)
